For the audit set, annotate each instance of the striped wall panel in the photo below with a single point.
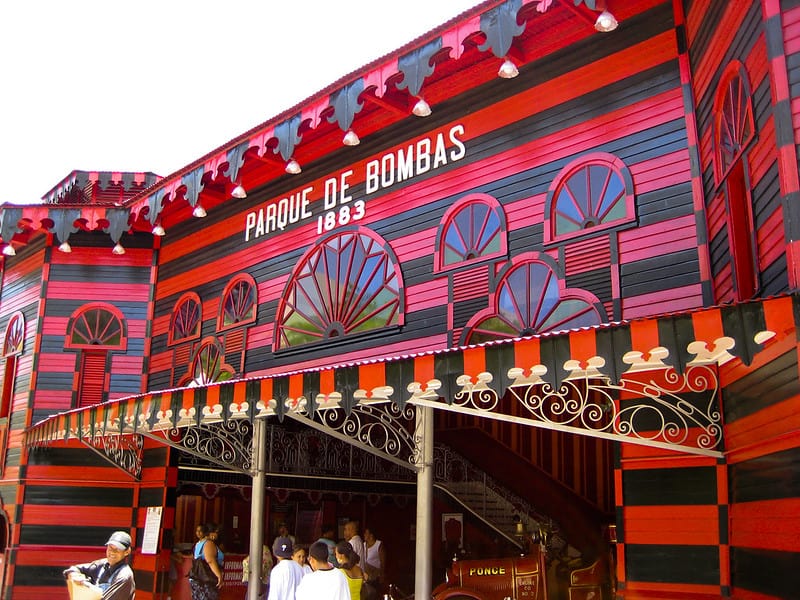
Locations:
(543, 143)
(73, 500)
(21, 291)
(713, 50)
(123, 279)
(765, 523)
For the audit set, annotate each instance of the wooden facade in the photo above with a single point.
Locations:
(626, 192)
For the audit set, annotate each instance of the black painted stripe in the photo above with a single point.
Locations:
(677, 486)
(771, 477)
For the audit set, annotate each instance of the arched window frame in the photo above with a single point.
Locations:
(733, 134)
(241, 281)
(398, 314)
(575, 168)
(91, 375)
(564, 294)
(199, 373)
(185, 308)
(13, 345)
(448, 221)
(78, 315)
(733, 96)
(14, 338)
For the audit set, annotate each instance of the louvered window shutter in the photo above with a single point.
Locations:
(93, 378)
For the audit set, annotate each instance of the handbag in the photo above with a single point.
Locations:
(369, 591)
(201, 572)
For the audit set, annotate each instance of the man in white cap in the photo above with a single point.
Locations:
(286, 575)
(111, 576)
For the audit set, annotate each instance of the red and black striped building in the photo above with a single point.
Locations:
(576, 246)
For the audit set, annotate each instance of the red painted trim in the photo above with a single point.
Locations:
(474, 362)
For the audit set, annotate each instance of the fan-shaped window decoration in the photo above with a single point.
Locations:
(15, 335)
(733, 118)
(95, 330)
(348, 283)
(97, 326)
(238, 304)
(12, 348)
(187, 318)
(531, 300)
(472, 229)
(590, 194)
(208, 364)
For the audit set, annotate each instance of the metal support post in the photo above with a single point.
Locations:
(258, 472)
(424, 544)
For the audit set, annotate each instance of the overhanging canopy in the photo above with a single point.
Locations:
(653, 381)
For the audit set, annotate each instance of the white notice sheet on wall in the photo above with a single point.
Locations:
(152, 527)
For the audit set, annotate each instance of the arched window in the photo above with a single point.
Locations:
(95, 330)
(590, 194)
(187, 318)
(734, 130)
(238, 305)
(733, 119)
(96, 326)
(348, 283)
(530, 299)
(208, 365)
(472, 229)
(12, 347)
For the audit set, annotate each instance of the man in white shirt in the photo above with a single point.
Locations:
(325, 583)
(351, 535)
(286, 575)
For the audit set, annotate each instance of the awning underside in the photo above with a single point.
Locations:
(652, 381)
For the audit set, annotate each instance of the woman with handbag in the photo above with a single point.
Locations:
(205, 578)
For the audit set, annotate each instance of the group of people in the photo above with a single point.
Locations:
(351, 569)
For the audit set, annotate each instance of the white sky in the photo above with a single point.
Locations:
(146, 85)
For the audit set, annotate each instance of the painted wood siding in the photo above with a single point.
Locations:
(719, 32)
(761, 421)
(93, 497)
(518, 137)
(758, 410)
(87, 275)
(73, 500)
(21, 291)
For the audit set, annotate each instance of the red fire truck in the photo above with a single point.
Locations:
(524, 578)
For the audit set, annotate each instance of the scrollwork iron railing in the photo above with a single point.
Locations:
(123, 451)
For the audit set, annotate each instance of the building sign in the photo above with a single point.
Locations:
(152, 528)
(338, 207)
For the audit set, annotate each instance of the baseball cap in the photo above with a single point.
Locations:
(121, 540)
(282, 547)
